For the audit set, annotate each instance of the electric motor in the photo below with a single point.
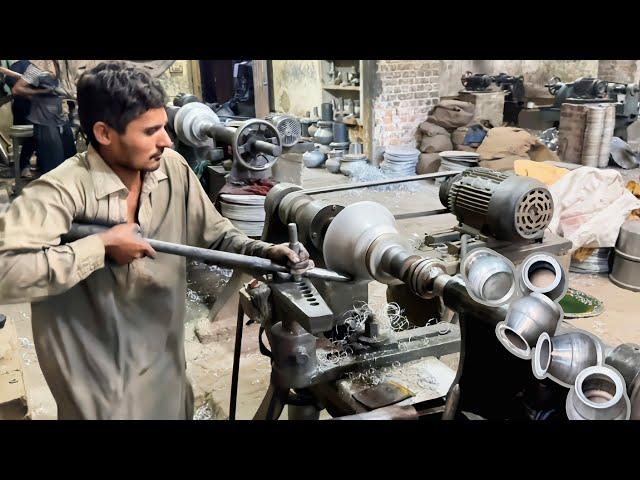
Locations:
(289, 128)
(499, 205)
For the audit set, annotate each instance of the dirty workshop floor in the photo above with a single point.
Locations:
(209, 359)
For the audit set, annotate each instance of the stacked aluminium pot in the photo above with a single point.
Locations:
(575, 359)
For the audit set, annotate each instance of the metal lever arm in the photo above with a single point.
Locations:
(225, 259)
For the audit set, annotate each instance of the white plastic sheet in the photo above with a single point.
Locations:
(590, 205)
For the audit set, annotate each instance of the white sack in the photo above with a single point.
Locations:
(590, 205)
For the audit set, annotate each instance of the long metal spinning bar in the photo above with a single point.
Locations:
(427, 213)
(225, 259)
(353, 186)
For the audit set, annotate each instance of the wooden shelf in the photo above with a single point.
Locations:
(338, 87)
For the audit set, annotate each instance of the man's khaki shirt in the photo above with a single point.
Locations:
(109, 338)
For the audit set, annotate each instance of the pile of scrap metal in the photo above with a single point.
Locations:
(513, 86)
(498, 270)
(586, 90)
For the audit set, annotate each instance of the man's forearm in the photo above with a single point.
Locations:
(25, 91)
(30, 276)
(10, 73)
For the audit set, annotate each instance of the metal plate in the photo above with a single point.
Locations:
(382, 395)
(305, 304)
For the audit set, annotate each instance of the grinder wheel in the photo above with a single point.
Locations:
(190, 122)
(243, 144)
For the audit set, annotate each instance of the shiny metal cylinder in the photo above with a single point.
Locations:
(563, 357)
(542, 273)
(599, 393)
(456, 296)
(625, 358)
(350, 235)
(528, 318)
(489, 276)
(625, 271)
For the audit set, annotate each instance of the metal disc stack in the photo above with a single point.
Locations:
(351, 162)
(400, 161)
(246, 212)
(597, 262)
(457, 160)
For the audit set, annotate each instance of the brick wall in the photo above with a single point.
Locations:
(404, 93)
(625, 71)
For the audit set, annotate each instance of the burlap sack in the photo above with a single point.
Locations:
(505, 141)
(457, 137)
(431, 129)
(452, 114)
(428, 163)
(501, 164)
(435, 144)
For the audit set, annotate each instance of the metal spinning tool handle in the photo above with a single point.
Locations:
(294, 244)
(225, 259)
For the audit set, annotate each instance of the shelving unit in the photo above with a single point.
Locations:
(338, 87)
(331, 91)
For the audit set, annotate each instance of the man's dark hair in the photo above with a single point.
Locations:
(116, 94)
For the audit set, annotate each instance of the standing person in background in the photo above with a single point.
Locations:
(20, 109)
(52, 134)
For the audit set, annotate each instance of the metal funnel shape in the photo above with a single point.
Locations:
(350, 235)
(599, 393)
(527, 318)
(488, 276)
(563, 357)
(542, 273)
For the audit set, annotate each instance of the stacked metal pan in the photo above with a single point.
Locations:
(597, 262)
(246, 212)
(400, 161)
(457, 160)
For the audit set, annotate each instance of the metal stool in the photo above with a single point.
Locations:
(18, 133)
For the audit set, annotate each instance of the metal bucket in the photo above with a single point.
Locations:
(625, 272)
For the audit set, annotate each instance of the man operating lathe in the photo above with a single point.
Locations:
(107, 310)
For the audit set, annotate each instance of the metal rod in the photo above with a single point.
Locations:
(221, 133)
(428, 213)
(236, 363)
(268, 148)
(353, 186)
(294, 244)
(392, 412)
(225, 259)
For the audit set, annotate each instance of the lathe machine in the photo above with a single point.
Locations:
(497, 271)
(586, 90)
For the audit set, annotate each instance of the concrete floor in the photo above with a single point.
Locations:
(209, 364)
